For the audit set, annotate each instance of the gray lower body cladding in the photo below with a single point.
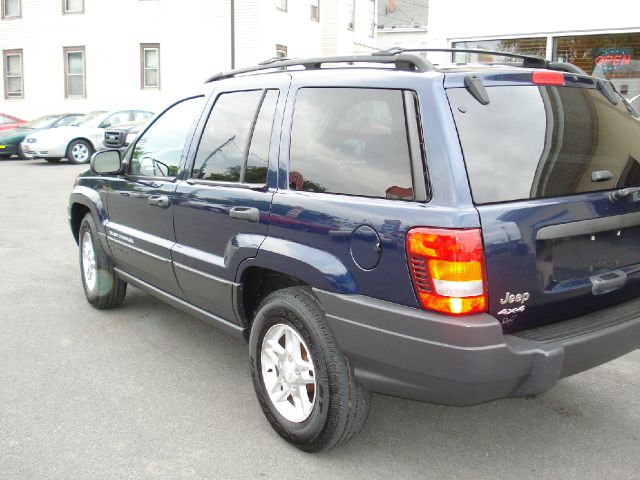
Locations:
(430, 357)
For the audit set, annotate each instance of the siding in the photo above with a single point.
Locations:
(194, 38)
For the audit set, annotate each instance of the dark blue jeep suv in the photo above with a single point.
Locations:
(452, 233)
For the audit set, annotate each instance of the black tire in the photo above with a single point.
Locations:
(76, 158)
(21, 154)
(5, 157)
(108, 290)
(53, 160)
(341, 405)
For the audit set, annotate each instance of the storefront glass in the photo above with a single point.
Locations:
(613, 56)
(527, 46)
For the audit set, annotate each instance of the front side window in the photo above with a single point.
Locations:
(235, 143)
(139, 115)
(74, 65)
(72, 6)
(350, 141)
(315, 10)
(159, 150)
(116, 119)
(13, 81)
(11, 9)
(150, 65)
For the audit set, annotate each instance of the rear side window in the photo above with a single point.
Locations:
(236, 140)
(535, 142)
(351, 141)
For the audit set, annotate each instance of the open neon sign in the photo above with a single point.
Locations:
(613, 58)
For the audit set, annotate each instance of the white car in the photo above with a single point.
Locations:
(80, 139)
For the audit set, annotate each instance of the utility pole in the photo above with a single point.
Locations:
(233, 34)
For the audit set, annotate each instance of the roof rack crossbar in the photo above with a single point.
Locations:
(408, 62)
(530, 61)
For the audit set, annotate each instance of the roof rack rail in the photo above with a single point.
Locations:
(409, 62)
(272, 60)
(530, 61)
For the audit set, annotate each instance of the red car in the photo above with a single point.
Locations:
(7, 121)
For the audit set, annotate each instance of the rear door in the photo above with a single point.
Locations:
(546, 167)
(222, 207)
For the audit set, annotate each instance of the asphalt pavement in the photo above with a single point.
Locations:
(148, 392)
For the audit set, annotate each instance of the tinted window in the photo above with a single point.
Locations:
(351, 141)
(532, 142)
(158, 152)
(258, 159)
(222, 149)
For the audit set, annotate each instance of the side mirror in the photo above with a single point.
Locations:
(106, 162)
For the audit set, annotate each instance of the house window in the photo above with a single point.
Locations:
(150, 65)
(351, 14)
(13, 82)
(281, 5)
(281, 51)
(75, 78)
(11, 9)
(315, 10)
(72, 6)
(372, 18)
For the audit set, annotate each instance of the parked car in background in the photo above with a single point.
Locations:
(121, 136)
(80, 139)
(8, 122)
(10, 140)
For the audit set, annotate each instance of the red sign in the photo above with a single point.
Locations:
(617, 60)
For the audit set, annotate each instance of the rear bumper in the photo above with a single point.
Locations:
(426, 356)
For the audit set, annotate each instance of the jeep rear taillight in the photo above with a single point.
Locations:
(447, 269)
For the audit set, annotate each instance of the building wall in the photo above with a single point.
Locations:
(194, 38)
(192, 47)
(400, 37)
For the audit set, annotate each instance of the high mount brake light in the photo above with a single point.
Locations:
(542, 77)
(447, 269)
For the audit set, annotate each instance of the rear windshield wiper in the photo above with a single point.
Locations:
(623, 192)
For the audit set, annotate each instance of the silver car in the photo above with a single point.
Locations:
(80, 139)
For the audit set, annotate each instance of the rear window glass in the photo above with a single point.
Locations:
(351, 141)
(534, 142)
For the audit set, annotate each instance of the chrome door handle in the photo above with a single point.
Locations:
(161, 201)
(245, 213)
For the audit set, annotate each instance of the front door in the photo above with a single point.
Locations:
(222, 206)
(140, 203)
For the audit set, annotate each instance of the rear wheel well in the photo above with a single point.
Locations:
(257, 283)
(78, 211)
